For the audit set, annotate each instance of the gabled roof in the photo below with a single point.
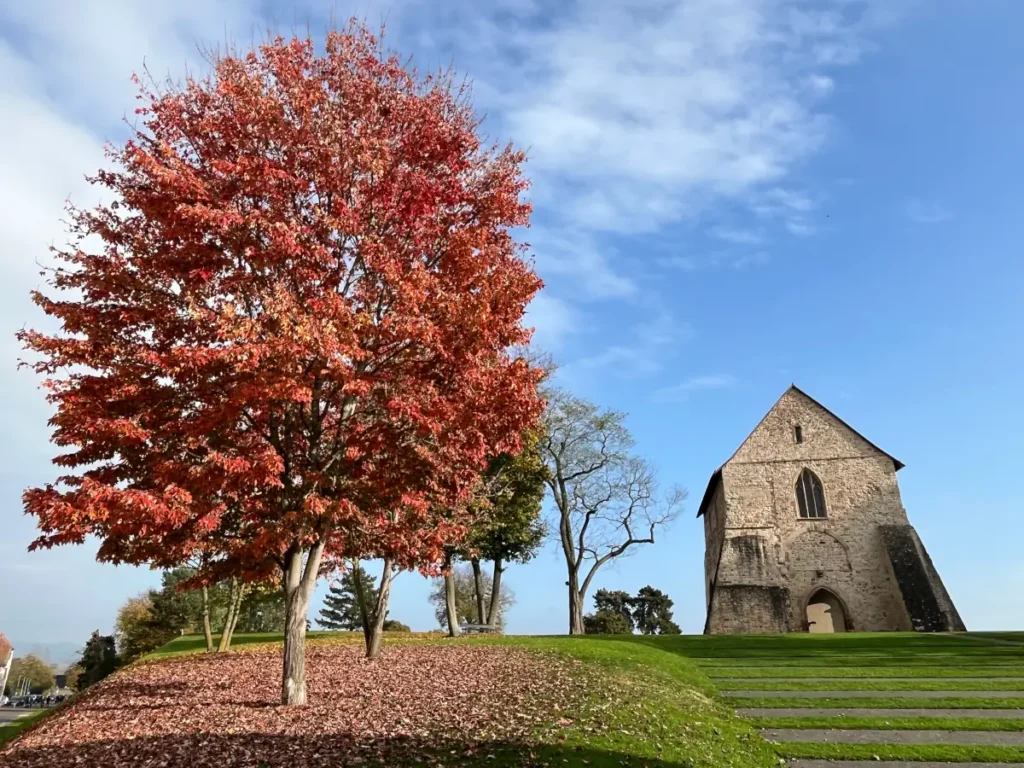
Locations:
(716, 476)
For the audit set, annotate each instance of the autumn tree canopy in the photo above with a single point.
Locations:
(291, 345)
(34, 673)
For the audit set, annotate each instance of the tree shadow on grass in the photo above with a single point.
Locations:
(258, 750)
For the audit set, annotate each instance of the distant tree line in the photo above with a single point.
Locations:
(181, 607)
(648, 612)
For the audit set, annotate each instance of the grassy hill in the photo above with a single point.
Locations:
(606, 702)
(614, 702)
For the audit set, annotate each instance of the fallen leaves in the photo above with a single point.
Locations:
(222, 710)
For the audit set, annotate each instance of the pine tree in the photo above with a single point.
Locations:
(342, 605)
(99, 659)
(614, 601)
(652, 612)
(611, 615)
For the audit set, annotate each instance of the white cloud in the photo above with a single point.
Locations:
(652, 343)
(800, 228)
(788, 205)
(921, 212)
(667, 107)
(738, 236)
(780, 201)
(685, 263)
(713, 259)
(758, 258)
(685, 389)
(65, 87)
(820, 85)
(553, 321)
(637, 115)
(624, 361)
(578, 255)
(91, 49)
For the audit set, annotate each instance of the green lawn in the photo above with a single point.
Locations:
(675, 721)
(894, 723)
(660, 703)
(1013, 637)
(721, 674)
(872, 685)
(872, 662)
(10, 729)
(881, 702)
(910, 752)
(655, 707)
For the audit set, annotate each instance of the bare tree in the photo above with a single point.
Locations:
(606, 498)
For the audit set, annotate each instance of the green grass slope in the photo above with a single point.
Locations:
(648, 705)
(11, 728)
(660, 701)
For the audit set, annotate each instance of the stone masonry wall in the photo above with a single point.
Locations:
(714, 530)
(843, 552)
(748, 609)
(927, 601)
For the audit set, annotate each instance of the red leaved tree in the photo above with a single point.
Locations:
(291, 346)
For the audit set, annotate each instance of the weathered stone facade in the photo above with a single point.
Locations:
(768, 559)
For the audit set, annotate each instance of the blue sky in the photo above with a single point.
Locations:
(730, 196)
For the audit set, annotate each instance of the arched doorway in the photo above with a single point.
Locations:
(825, 613)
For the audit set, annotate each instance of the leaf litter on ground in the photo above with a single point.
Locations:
(415, 704)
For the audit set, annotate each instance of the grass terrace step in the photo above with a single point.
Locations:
(816, 720)
(914, 754)
(889, 764)
(968, 687)
(877, 673)
(1005, 697)
(911, 700)
(916, 737)
(977, 682)
(806, 713)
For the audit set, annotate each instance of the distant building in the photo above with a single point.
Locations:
(6, 658)
(805, 531)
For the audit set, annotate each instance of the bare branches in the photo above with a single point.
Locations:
(607, 499)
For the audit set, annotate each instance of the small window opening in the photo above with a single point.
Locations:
(798, 433)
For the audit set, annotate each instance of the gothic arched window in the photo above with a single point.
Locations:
(810, 497)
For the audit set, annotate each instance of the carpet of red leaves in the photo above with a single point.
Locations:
(417, 702)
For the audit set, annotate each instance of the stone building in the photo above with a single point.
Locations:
(805, 531)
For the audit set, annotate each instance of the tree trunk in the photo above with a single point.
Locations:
(207, 631)
(298, 587)
(495, 605)
(364, 611)
(380, 611)
(225, 633)
(575, 606)
(478, 591)
(450, 606)
(236, 612)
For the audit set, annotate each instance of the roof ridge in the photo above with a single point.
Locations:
(716, 476)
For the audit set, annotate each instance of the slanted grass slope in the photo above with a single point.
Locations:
(640, 702)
